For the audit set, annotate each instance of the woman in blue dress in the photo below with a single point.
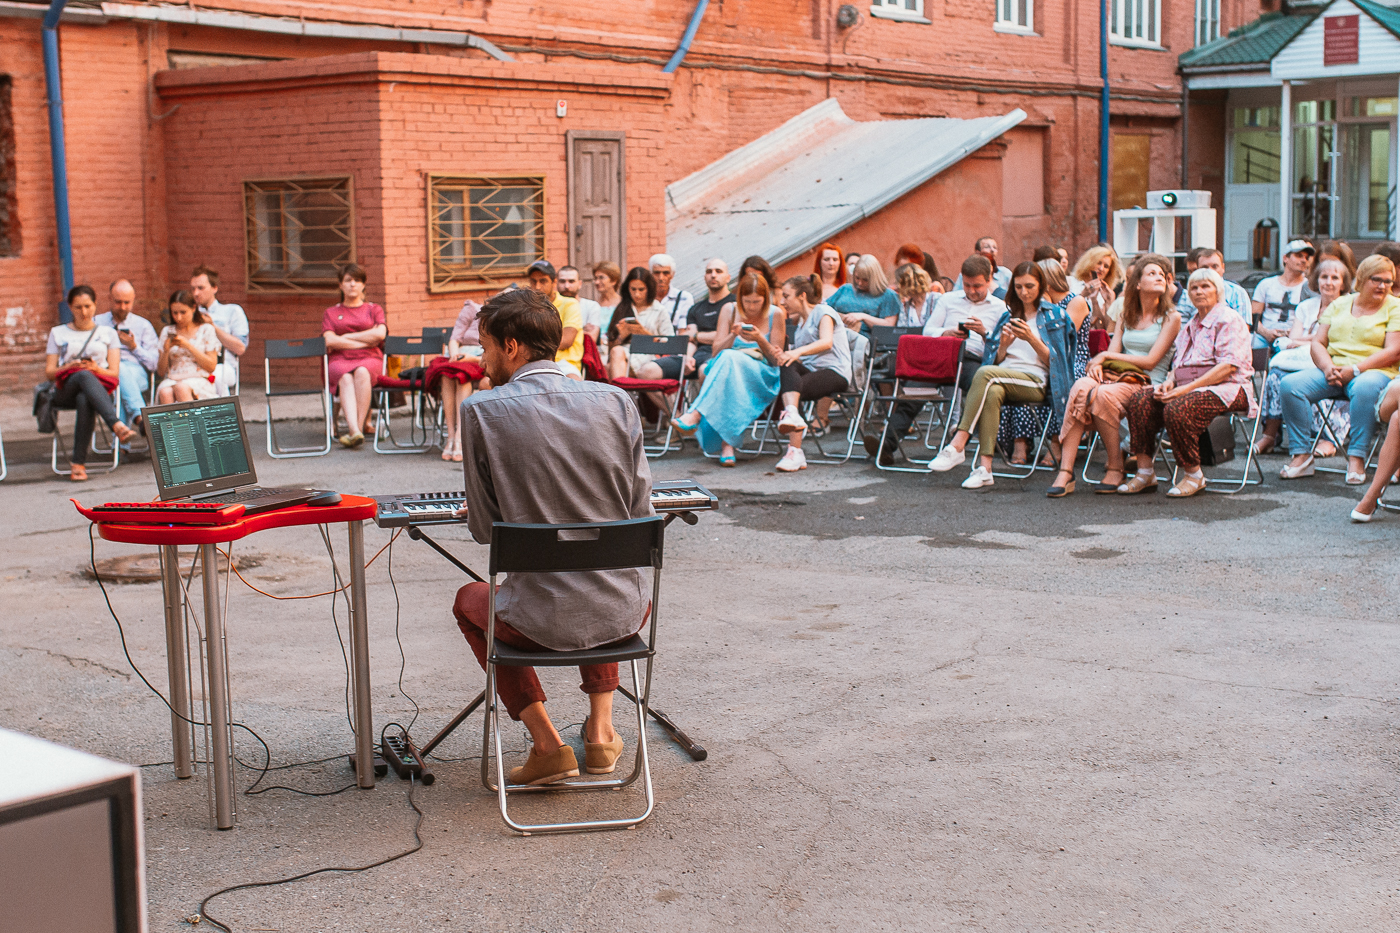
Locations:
(742, 378)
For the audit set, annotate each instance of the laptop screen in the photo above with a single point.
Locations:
(199, 447)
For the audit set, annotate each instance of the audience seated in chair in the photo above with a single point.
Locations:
(640, 314)
(189, 353)
(84, 363)
(1212, 376)
(1331, 279)
(1139, 354)
(866, 300)
(817, 367)
(458, 374)
(354, 330)
(230, 325)
(140, 349)
(1356, 349)
(742, 379)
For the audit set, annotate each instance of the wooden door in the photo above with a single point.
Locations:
(597, 204)
(1130, 161)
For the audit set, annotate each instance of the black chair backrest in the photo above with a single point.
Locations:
(659, 346)
(294, 349)
(437, 338)
(887, 338)
(1261, 359)
(634, 542)
(411, 346)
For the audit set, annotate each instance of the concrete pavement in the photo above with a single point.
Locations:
(925, 708)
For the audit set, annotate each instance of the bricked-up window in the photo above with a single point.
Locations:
(910, 10)
(9, 213)
(1016, 16)
(298, 231)
(482, 228)
(1136, 22)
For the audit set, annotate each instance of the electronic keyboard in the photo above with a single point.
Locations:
(163, 513)
(440, 508)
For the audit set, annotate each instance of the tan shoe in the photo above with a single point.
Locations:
(1189, 486)
(546, 769)
(600, 757)
(1141, 482)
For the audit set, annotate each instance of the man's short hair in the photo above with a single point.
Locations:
(662, 259)
(1045, 252)
(563, 269)
(206, 271)
(1390, 251)
(527, 317)
(122, 283)
(1194, 256)
(976, 265)
(1206, 252)
(977, 247)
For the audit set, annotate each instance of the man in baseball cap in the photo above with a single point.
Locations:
(544, 280)
(1277, 296)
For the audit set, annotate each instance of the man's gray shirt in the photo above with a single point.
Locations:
(147, 349)
(547, 449)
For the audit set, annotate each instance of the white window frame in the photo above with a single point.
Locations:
(1136, 24)
(1207, 21)
(1006, 18)
(908, 11)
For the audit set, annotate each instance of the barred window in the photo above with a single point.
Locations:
(298, 232)
(482, 228)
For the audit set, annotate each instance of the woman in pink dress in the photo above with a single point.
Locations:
(354, 330)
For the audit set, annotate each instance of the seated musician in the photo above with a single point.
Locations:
(519, 442)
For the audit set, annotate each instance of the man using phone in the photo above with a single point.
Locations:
(140, 351)
(971, 314)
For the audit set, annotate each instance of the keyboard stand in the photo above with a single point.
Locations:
(696, 751)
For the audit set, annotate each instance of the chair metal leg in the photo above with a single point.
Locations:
(653, 451)
(1034, 460)
(275, 448)
(115, 451)
(383, 428)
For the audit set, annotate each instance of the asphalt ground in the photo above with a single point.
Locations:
(924, 708)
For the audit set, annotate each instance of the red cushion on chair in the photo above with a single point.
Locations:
(390, 382)
(928, 359)
(647, 385)
(460, 371)
(1098, 341)
(593, 367)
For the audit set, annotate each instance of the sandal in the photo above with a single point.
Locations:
(683, 429)
(122, 432)
(78, 474)
(1060, 490)
(1265, 444)
(1104, 487)
(1189, 486)
(1141, 482)
(726, 460)
(1325, 449)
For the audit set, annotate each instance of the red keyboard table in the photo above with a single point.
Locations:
(353, 511)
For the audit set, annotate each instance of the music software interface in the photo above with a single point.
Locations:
(197, 444)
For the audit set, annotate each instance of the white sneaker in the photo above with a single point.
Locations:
(792, 461)
(947, 458)
(791, 423)
(979, 477)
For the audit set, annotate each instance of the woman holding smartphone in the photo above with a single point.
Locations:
(742, 378)
(1099, 273)
(189, 351)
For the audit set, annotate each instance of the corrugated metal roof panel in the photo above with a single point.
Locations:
(808, 180)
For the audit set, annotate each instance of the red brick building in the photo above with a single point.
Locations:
(270, 139)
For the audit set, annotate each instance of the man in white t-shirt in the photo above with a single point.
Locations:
(676, 301)
(972, 314)
(1277, 296)
(230, 325)
(570, 282)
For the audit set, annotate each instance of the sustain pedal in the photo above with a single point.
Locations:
(401, 754)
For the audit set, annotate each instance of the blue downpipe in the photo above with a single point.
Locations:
(688, 37)
(1103, 122)
(57, 152)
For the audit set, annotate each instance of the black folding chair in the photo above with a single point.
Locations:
(305, 349)
(422, 436)
(574, 548)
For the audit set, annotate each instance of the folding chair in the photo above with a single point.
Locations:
(1251, 459)
(659, 346)
(926, 370)
(385, 385)
(883, 346)
(102, 448)
(1042, 414)
(443, 335)
(1323, 411)
(849, 399)
(304, 349)
(594, 546)
(4, 470)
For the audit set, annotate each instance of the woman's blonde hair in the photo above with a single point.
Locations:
(1370, 266)
(1055, 280)
(911, 280)
(869, 267)
(1091, 258)
(1203, 274)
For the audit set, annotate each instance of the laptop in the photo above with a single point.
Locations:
(200, 453)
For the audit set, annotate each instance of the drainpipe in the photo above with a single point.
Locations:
(1185, 132)
(688, 38)
(57, 154)
(1103, 122)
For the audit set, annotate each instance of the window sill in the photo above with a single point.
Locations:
(1013, 30)
(1135, 43)
(903, 16)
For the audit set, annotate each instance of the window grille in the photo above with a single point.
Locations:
(298, 232)
(482, 228)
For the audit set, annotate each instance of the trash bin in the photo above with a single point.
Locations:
(1265, 244)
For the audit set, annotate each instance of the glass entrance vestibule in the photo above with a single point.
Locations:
(1341, 161)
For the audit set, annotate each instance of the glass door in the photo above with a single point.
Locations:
(1313, 183)
(1367, 189)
